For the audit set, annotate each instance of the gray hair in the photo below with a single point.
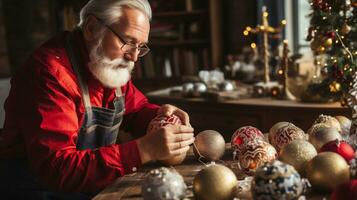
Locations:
(110, 10)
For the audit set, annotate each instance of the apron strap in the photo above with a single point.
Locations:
(118, 92)
(74, 54)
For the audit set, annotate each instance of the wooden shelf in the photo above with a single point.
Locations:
(179, 43)
(180, 14)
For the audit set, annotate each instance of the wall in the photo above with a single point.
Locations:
(4, 64)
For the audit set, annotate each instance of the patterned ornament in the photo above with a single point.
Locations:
(284, 135)
(276, 126)
(323, 136)
(209, 144)
(244, 135)
(163, 183)
(341, 148)
(254, 155)
(327, 170)
(297, 153)
(277, 180)
(312, 130)
(329, 120)
(214, 182)
(162, 121)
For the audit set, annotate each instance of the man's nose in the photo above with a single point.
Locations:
(132, 55)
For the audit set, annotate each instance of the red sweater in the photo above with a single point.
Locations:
(44, 112)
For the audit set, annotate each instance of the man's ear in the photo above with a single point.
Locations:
(89, 28)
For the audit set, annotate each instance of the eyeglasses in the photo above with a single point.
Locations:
(127, 47)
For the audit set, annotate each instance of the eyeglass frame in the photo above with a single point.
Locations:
(121, 39)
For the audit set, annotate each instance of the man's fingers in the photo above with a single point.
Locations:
(179, 145)
(180, 151)
(183, 137)
(182, 129)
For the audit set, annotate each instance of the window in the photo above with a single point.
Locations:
(297, 12)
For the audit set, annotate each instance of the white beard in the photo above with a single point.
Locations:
(111, 73)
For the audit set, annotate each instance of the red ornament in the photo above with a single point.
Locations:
(342, 148)
(331, 35)
(161, 121)
(244, 135)
(345, 191)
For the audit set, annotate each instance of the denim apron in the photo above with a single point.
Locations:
(99, 128)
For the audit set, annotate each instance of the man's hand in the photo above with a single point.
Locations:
(168, 110)
(165, 142)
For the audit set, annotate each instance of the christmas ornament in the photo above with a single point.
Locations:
(214, 182)
(275, 127)
(284, 135)
(345, 124)
(327, 170)
(329, 120)
(209, 144)
(187, 89)
(335, 86)
(321, 49)
(277, 180)
(323, 136)
(198, 89)
(316, 127)
(331, 35)
(254, 155)
(345, 29)
(345, 191)
(244, 135)
(163, 183)
(297, 153)
(328, 42)
(342, 148)
(162, 121)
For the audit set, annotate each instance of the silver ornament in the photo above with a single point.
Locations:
(198, 89)
(163, 184)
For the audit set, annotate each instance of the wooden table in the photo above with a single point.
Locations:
(129, 186)
(225, 116)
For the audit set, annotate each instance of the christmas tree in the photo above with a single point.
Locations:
(333, 37)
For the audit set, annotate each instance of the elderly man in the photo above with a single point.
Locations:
(68, 101)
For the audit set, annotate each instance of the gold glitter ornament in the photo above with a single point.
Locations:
(327, 170)
(215, 182)
(297, 153)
